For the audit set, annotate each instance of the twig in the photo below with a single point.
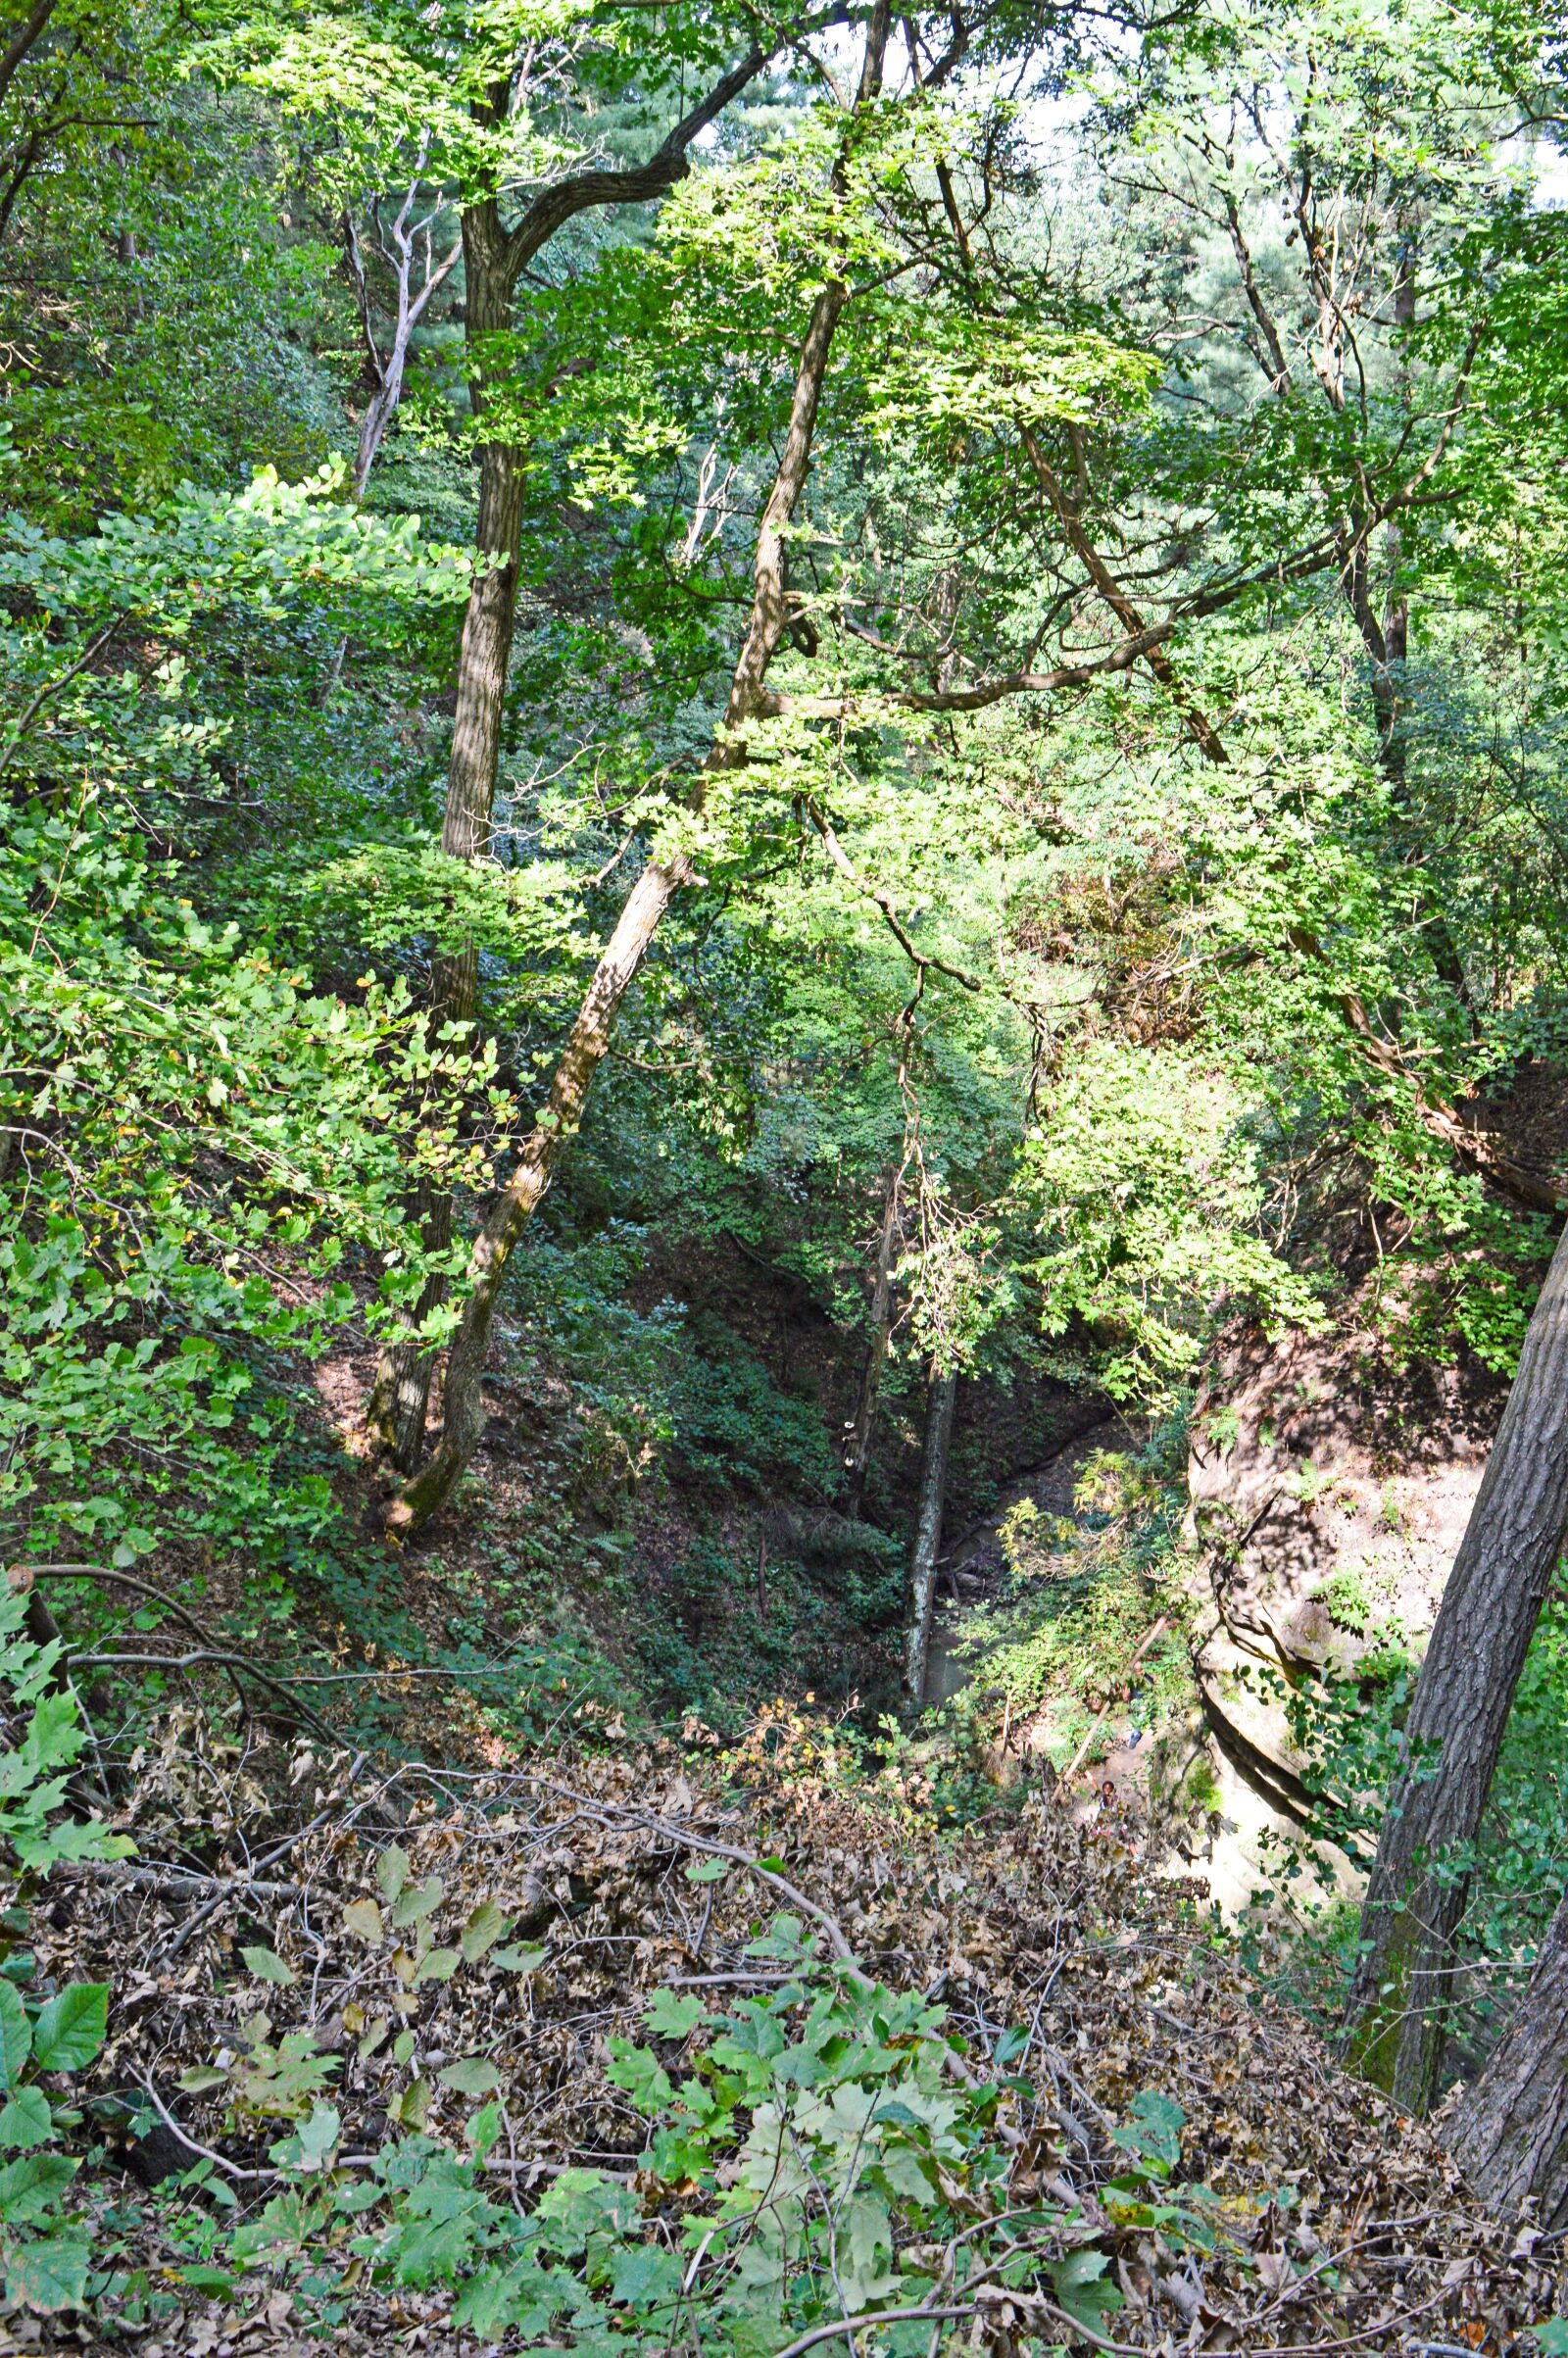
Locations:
(871, 2317)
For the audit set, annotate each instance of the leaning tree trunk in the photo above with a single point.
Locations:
(1415, 1900)
(1510, 2134)
(399, 1401)
(857, 1431)
(927, 1548)
(463, 1405)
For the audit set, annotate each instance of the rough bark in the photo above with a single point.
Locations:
(1415, 1900)
(857, 1431)
(1510, 2134)
(462, 1417)
(927, 1546)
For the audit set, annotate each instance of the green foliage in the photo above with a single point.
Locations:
(1083, 1597)
(45, 2245)
(1146, 1196)
(825, 2150)
(48, 1736)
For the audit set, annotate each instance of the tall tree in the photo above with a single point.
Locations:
(496, 255)
(463, 1407)
(1513, 1542)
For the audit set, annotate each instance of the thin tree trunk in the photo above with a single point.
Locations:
(1415, 1900)
(1510, 2134)
(462, 1406)
(857, 1431)
(410, 309)
(927, 1546)
(398, 1407)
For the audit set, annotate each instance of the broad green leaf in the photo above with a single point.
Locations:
(268, 1966)
(49, 2273)
(485, 1928)
(70, 2031)
(24, 2119)
(439, 1966)
(30, 2189)
(519, 1960)
(470, 2075)
(16, 2034)
(392, 1872)
(201, 2076)
(671, 2017)
(417, 1901)
(642, 2076)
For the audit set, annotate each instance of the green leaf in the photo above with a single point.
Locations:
(708, 1870)
(392, 1872)
(30, 2189)
(640, 2074)
(439, 1966)
(24, 2119)
(268, 1966)
(485, 1928)
(48, 2273)
(415, 1900)
(70, 2031)
(470, 2075)
(1552, 2337)
(519, 1960)
(201, 2076)
(216, 2281)
(16, 2034)
(671, 2017)
(1079, 2285)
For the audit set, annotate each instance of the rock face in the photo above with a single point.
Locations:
(1330, 1488)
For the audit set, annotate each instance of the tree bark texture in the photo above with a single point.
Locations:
(463, 1405)
(1511, 1546)
(1510, 2134)
(927, 1546)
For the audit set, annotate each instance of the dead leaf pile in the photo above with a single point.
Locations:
(416, 1942)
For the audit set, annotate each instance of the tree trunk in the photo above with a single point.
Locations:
(1510, 2134)
(1512, 1542)
(857, 1431)
(399, 1403)
(462, 1417)
(513, 1208)
(927, 1546)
